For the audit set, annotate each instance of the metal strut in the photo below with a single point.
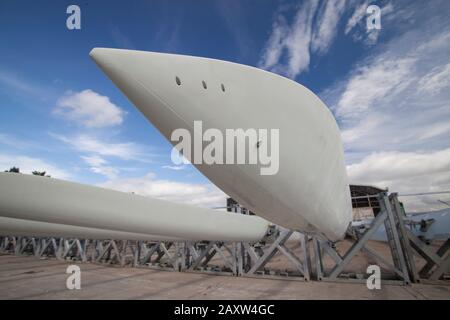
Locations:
(398, 268)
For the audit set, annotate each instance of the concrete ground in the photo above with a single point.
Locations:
(25, 277)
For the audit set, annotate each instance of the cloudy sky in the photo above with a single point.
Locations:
(389, 89)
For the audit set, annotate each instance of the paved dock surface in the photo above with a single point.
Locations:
(25, 277)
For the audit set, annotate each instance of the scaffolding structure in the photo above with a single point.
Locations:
(307, 256)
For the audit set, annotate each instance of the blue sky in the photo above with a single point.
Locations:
(389, 89)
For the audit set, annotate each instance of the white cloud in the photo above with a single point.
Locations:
(327, 25)
(434, 130)
(23, 86)
(92, 145)
(407, 172)
(388, 8)
(360, 130)
(394, 109)
(89, 109)
(205, 195)
(99, 165)
(299, 39)
(313, 30)
(370, 36)
(176, 168)
(29, 164)
(392, 100)
(94, 161)
(275, 45)
(373, 34)
(294, 39)
(437, 80)
(371, 83)
(12, 141)
(393, 165)
(358, 14)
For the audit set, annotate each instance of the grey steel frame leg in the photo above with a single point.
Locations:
(357, 246)
(409, 257)
(306, 256)
(3, 243)
(387, 217)
(318, 259)
(396, 248)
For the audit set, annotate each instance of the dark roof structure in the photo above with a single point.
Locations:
(362, 197)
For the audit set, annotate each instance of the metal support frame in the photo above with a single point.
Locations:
(198, 257)
(73, 249)
(437, 263)
(159, 254)
(48, 247)
(123, 252)
(402, 243)
(399, 268)
(256, 257)
(253, 259)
